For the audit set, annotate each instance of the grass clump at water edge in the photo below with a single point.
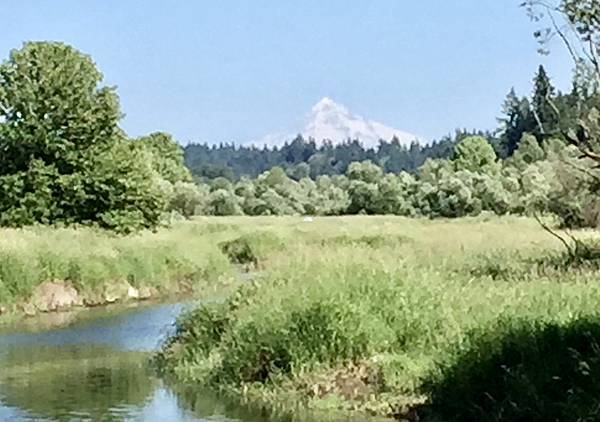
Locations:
(378, 329)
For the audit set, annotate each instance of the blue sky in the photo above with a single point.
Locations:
(238, 70)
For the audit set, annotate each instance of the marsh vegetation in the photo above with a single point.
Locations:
(387, 315)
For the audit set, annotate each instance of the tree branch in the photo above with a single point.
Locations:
(553, 233)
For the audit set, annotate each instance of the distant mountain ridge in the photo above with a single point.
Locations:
(329, 120)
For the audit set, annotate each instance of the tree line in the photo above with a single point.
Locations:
(307, 158)
(64, 160)
(535, 179)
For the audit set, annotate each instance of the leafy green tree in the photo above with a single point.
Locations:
(433, 170)
(574, 200)
(493, 193)
(119, 191)
(538, 182)
(365, 171)
(274, 177)
(64, 158)
(331, 199)
(220, 183)
(53, 109)
(577, 24)
(299, 171)
(208, 171)
(529, 152)
(188, 199)
(167, 157)
(392, 196)
(321, 164)
(223, 202)
(363, 197)
(363, 190)
(475, 154)
(452, 196)
(276, 204)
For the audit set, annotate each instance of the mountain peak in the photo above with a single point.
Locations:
(333, 121)
(325, 104)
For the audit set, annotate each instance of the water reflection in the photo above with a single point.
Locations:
(135, 329)
(96, 369)
(82, 382)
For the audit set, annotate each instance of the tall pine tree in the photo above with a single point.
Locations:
(517, 121)
(544, 112)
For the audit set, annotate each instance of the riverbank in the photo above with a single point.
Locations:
(380, 315)
(100, 359)
(471, 319)
(55, 269)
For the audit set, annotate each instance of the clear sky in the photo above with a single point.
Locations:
(238, 70)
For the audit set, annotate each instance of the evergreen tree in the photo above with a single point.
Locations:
(518, 120)
(544, 113)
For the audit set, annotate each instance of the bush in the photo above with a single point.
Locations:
(239, 252)
(222, 203)
(188, 199)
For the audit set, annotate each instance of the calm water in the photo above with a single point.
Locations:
(94, 368)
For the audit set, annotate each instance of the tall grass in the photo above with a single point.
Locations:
(373, 313)
(186, 256)
(379, 314)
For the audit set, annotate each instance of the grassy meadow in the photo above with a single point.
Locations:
(180, 259)
(467, 319)
(470, 319)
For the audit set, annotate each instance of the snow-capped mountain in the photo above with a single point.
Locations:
(333, 121)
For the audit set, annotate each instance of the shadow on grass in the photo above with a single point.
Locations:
(522, 371)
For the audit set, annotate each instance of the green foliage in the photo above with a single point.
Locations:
(452, 196)
(53, 109)
(533, 180)
(167, 157)
(65, 160)
(474, 154)
(422, 320)
(239, 251)
(299, 171)
(545, 115)
(518, 120)
(223, 202)
(529, 151)
(198, 332)
(575, 22)
(365, 172)
(122, 192)
(90, 259)
(363, 197)
(233, 162)
(188, 199)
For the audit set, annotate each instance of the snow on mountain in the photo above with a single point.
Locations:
(333, 121)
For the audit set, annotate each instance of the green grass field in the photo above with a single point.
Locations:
(470, 319)
(184, 257)
(473, 319)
